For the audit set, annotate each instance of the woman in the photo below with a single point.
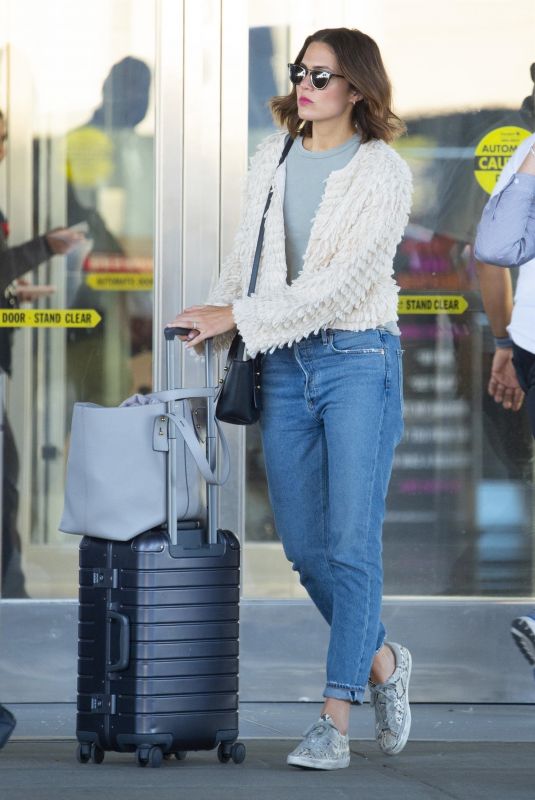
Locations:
(324, 315)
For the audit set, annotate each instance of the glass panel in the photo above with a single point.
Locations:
(460, 508)
(81, 124)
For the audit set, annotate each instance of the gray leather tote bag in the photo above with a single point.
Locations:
(116, 468)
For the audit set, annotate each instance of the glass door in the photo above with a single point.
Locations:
(85, 148)
(459, 530)
(79, 114)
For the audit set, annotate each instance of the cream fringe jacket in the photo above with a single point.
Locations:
(346, 280)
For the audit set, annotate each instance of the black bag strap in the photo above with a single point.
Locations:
(258, 251)
(237, 348)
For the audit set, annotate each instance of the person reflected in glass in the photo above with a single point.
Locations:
(110, 188)
(14, 263)
(324, 317)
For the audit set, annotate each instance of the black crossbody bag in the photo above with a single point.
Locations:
(239, 400)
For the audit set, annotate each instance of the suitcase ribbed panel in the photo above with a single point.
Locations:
(180, 687)
(171, 633)
(165, 669)
(179, 597)
(179, 578)
(167, 686)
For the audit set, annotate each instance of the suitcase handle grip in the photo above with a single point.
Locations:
(124, 641)
(170, 333)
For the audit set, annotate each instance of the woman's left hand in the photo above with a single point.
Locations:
(204, 321)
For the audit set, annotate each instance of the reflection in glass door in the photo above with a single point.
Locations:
(463, 458)
(459, 530)
(79, 108)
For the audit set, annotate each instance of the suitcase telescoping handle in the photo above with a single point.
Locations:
(211, 443)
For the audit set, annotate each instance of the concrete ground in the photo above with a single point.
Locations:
(48, 770)
(456, 752)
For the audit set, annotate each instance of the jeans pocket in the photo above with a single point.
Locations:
(357, 343)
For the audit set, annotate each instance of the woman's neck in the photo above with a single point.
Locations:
(326, 135)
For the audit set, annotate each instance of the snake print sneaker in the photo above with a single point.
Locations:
(391, 703)
(523, 632)
(323, 747)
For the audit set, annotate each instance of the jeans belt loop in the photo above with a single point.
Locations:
(324, 336)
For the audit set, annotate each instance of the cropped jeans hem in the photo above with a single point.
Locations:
(340, 691)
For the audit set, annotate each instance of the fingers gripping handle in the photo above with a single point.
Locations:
(171, 333)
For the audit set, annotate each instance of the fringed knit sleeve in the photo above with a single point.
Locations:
(230, 284)
(228, 288)
(357, 275)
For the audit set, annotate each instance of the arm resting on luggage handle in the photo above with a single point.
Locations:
(124, 641)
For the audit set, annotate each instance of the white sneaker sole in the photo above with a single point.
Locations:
(524, 637)
(318, 763)
(404, 734)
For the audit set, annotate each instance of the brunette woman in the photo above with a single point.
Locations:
(324, 315)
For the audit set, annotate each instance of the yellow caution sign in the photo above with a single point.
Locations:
(494, 151)
(49, 318)
(90, 157)
(432, 304)
(120, 281)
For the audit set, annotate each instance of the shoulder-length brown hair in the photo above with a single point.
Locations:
(360, 63)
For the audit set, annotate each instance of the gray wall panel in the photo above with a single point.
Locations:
(462, 651)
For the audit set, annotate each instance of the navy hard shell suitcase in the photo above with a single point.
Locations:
(158, 634)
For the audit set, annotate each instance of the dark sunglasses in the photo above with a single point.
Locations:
(319, 78)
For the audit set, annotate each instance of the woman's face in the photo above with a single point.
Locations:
(332, 103)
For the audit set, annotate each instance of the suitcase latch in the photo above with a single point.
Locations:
(105, 578)
(103, 703)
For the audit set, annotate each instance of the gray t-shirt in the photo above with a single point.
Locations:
(306, 173)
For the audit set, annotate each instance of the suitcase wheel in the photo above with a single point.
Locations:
(226, 752)
(151, 756)
(223, 752)
(97, 754)
(83, 753)
(238, 752)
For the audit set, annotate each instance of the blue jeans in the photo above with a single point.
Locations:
(331, 419)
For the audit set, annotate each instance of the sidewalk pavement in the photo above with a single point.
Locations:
(456, 752)
(48, 770)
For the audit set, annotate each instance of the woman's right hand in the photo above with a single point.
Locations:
(204, 322)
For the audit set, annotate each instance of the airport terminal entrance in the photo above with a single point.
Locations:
(136, 127)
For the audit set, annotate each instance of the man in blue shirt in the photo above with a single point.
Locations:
(506, 238)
